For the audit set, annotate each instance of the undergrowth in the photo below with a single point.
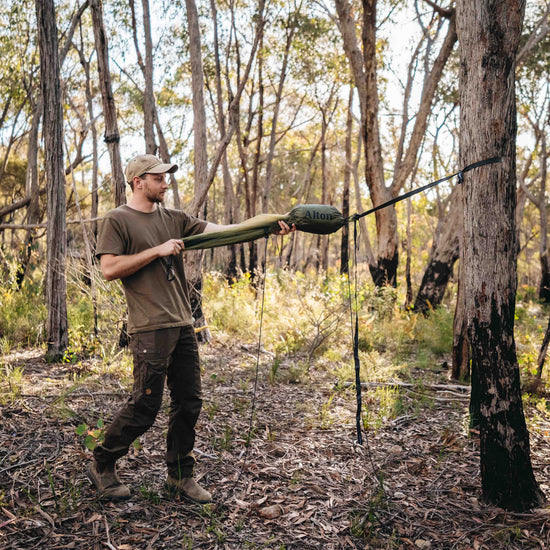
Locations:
(307, 324)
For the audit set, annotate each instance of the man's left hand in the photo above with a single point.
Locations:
(285, 228)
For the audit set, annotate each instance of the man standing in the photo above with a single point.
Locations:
(140, 244)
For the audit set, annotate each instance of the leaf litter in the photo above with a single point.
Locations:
(293, 477)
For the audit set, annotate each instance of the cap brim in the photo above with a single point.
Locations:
(163, 169)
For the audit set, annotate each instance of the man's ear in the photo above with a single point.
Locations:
(138, 182)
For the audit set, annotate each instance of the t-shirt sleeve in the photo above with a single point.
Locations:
(110, 239)
(192, 225)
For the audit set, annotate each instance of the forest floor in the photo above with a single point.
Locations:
(302, 483)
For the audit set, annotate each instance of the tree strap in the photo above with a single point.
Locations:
(460, 175)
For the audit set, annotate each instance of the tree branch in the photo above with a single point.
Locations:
(444, 12)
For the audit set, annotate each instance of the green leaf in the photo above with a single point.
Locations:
(90, 442)
(81, 429)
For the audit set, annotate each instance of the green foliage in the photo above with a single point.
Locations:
(312, 317)
(11, 379)
(22, 311)
(382, 405)
(434, 332)
(92, 436)
(224, 442)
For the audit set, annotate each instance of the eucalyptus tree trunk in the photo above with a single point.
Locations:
(31, 189)
(95, 155)
(363, 66)
(544, 287)
(445, 252)
(146, 66)
(229, 195)
(489, 33)
(57, 333)
(112, 136)
(148, 96)
(194, 259)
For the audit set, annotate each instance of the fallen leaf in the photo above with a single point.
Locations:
(271, 512)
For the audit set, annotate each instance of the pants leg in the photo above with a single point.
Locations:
(152, 352)
(184, 382)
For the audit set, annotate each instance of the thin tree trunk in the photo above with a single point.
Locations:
(31, 190)
(290, 30)
(95, 154)
(444, 254)
(253, 249)
(200, 164)
(229, 197)
(56, 287)
(489, 34)
(344, 246)
(148, 98)
(544, 288)
(112, 136)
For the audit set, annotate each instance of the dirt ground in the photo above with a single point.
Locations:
(302, 482)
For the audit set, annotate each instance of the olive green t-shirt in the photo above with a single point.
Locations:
(153, 301)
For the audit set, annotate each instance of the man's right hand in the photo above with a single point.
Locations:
(170, 248)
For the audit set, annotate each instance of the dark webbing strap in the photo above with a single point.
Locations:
(460, 175)
(356, 361)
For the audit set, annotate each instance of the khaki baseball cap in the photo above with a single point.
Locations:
(147, 164)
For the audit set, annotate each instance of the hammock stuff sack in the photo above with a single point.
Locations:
(311, 218)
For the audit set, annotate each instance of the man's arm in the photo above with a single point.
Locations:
(115, 266)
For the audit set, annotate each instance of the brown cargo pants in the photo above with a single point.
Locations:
(170, 354)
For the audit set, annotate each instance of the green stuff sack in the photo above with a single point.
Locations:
(311, 218)
(316, 218)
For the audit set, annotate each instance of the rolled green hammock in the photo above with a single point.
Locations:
(311, 218)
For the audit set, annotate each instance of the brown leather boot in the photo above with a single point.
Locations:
(107, 482)
(188, 488)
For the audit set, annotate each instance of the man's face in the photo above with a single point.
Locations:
(154, 187)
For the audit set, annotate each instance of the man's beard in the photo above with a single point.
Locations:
(154, 198)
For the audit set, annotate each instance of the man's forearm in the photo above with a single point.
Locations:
(118, 267)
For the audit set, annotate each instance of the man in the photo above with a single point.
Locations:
(135, 244)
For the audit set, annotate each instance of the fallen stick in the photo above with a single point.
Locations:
(437, 387)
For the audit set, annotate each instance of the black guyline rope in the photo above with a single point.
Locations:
(357, 362)
(253, 404)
